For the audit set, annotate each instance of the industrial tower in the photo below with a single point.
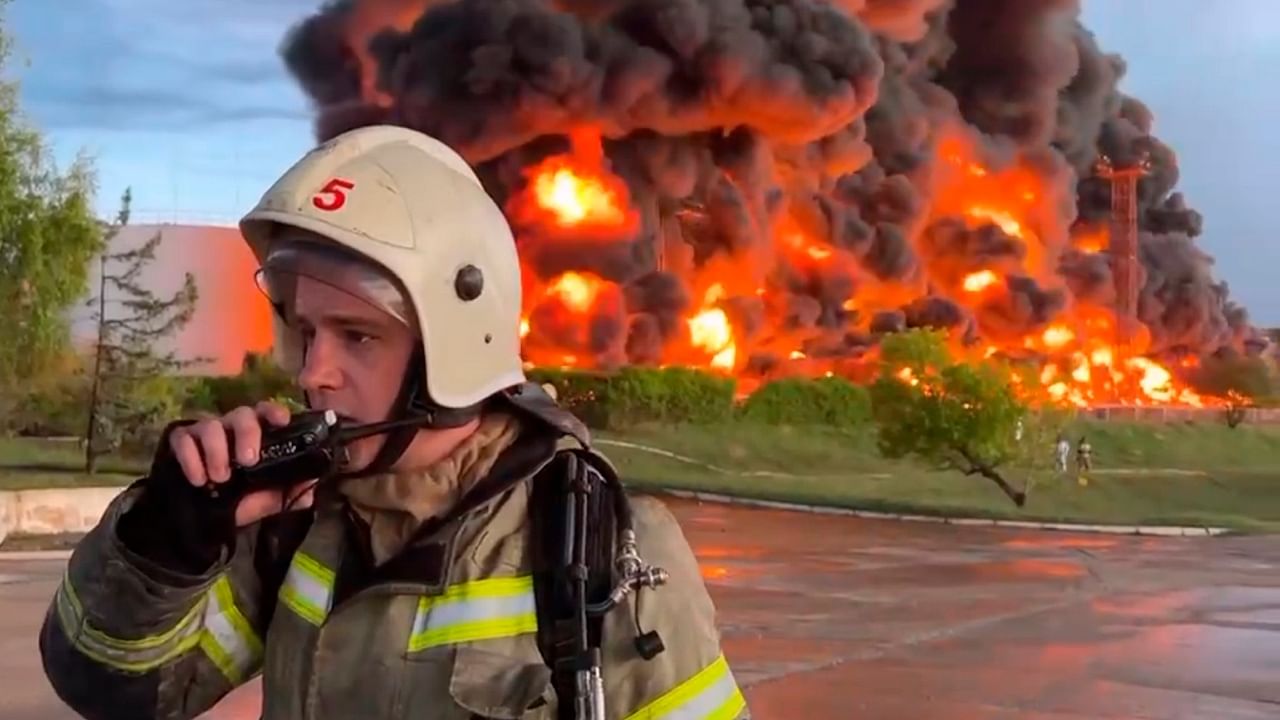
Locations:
(1123, 239)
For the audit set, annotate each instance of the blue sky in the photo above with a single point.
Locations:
(189, 103)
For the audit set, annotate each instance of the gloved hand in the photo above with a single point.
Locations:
(174, 523)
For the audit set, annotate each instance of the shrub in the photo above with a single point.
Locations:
(829, 401)
(260, 378)
(634, 395)
(580, 392)
(147, 406)
(53, 406)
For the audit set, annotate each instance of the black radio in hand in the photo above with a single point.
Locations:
(308, 448)
(311, 447)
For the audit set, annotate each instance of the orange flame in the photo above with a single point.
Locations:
(575, 197)
(575, 193)
(575, 290)
(979, 281)
(1092, 241)
(710, 331)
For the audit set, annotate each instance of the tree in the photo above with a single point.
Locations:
(953, 414)
(1242, 380)
(48, 235)
(1237, 409)
(1253, 377)
(131, 378)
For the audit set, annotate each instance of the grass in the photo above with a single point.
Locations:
(1176, 474)
(1147, 474)
(30, 463)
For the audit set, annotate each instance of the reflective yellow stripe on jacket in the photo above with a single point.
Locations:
(711, 694)
(214, 624)
(479, 610)
(308, 589)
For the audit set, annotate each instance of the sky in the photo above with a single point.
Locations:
(189, 104)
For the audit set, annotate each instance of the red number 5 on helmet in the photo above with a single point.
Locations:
(333, 195)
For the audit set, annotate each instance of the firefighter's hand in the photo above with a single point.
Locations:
(201, 449)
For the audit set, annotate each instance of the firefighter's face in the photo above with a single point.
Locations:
(356, 357)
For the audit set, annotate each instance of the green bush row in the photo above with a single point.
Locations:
(602, 400)
(680, 395)
(59, 404)
(259, 379)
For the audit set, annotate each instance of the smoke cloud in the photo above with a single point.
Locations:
(907, 143)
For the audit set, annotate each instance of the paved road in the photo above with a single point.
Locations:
(833, 617)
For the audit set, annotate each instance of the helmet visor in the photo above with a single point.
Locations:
(292, 259)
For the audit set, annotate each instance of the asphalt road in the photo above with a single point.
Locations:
(835, 617)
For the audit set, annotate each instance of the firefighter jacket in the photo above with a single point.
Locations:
(445, 629)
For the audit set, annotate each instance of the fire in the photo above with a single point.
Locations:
(1091, 241)
(979, 281)
(799, 242)
(576, 291)
(1001, 219)
(577, 318)
(557, 331)
(1085, 366)
(575, 192)
(710, 331)
(1056, 336)
(575, 198)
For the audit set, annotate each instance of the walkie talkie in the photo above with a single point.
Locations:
(305, 449)
(311, 446)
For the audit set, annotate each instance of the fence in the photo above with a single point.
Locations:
(1158, 414)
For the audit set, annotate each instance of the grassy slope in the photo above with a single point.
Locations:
(1174, 474)
(1177, 474)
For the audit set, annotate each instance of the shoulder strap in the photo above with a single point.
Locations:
(549, 552)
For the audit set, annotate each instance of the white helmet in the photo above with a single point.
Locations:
(412, 206)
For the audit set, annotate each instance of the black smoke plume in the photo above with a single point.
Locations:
(723, 115)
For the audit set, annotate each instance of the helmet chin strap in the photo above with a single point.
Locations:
(412, 402)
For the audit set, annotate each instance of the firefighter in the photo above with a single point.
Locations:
(405, 588)
(1061, 452)
(1084, 455)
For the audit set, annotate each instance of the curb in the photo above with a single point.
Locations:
(1147, 530)
(28, 555)
(52, 511)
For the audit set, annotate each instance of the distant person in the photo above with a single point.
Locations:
(428, 578)
(1084, 455)
(1063, 449)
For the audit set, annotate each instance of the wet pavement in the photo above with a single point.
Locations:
(836, 617)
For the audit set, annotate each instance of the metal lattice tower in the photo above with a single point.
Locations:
(1123, 238)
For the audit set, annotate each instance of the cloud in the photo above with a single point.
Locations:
(157, 64)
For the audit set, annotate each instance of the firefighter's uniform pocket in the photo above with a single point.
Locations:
(501, 686)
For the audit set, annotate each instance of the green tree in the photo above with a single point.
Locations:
(48, 235)
(1219, 376)
(132, 385)
(952, 414)
(1243, 381)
